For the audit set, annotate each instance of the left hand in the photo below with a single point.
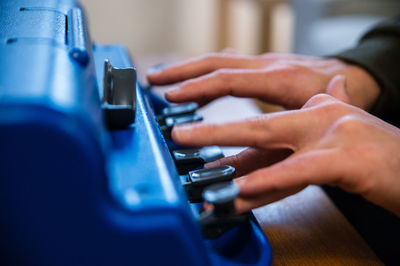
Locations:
(325, 142)
(288, 80)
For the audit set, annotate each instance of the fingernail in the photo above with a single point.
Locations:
(180, 132)
(153, 70)
(172, 94)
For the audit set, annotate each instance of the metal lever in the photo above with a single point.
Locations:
(177, 110)
(189, 159)
(196, 181)
(221, 217)
(119, 98)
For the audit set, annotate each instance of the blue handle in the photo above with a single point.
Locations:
(77, 37)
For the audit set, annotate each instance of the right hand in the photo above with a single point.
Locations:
(326, 142)
(284, 79)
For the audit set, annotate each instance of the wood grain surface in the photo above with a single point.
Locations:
(307, 229)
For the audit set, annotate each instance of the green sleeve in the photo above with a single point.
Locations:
(378, 52)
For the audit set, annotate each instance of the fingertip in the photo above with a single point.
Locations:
(181, 133)
(241, 206)
(212, 164)
(247, 186)
(154, 73)
(339, 80)
(183, 92)
(342, 78)
(240, 181)
(337, 88)
(156, 69)
(154, 78)
(176, 133)
(172, 95)
(207, 206)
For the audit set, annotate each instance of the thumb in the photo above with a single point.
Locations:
(337, 88)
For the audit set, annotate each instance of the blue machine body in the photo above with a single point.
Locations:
(73, 192)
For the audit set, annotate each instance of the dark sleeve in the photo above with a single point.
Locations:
(378, 52)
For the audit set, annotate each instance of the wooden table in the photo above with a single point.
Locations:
(303, 229)
(307, 229)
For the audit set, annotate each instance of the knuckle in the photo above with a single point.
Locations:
(317, 99)
(360, 157)
(259, 122)
(366, 186)
(281, 68)
(347, 124)
(331, 106)
(223, 76)
(187, 84)
(210, 129)
(209, 56)
(271, 57)
(235, 160)
(327, 105)
(290, 69)
(210, 59)
(260, 127)
(222, 72)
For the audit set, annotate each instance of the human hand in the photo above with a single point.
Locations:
(285, 79)
(331, 143)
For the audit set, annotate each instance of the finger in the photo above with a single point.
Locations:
(235, 82)
(247, 204)
(266, 84)
(286, 178)
(251, 159)
(199, 66)
(299, 170)
(337, 88)
(275, 130)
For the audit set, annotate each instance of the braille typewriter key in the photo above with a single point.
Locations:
(182, 119)
(177, 120)
(177, 110)
(221, 196)
(189, 159)
(196, 181)
(221, 217)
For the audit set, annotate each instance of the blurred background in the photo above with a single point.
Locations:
(157, 31)
(193, 27)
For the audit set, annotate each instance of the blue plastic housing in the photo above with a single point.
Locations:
(72, 192)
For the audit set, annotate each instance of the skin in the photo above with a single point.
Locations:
(283, 79)
(346, 146)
